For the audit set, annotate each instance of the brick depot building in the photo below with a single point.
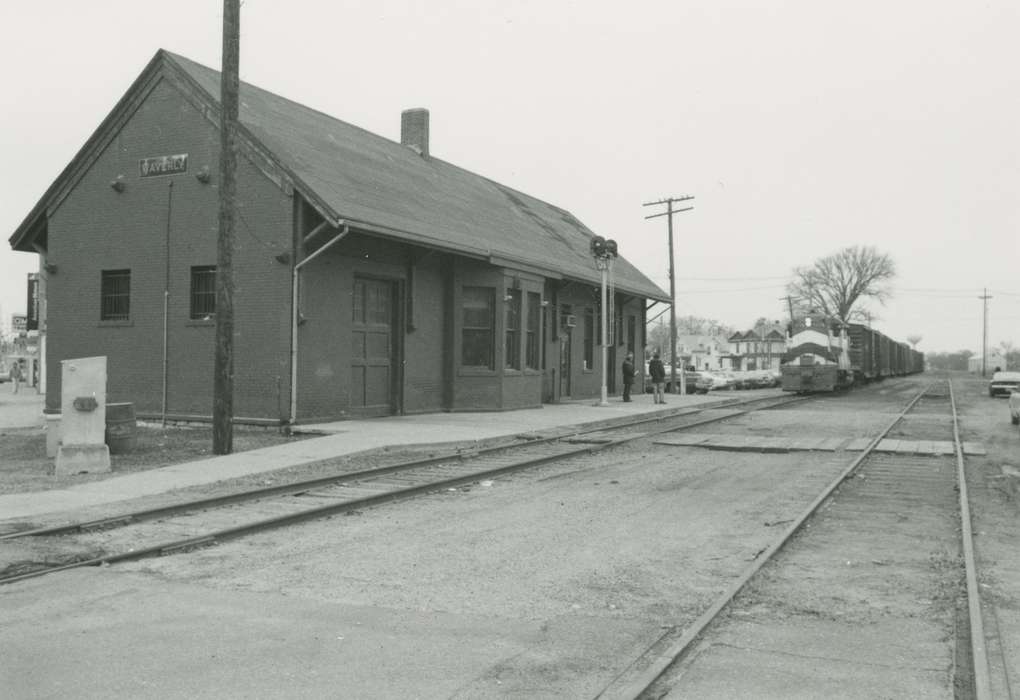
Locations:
(371, 278)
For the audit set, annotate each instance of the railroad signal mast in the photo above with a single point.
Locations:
(670, 211)
(604, 252)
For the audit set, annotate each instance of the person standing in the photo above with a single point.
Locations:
(628, 375)
(16, 375)
(657, 373)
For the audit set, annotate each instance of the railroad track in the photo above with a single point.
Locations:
(899, 497)
(207, 521)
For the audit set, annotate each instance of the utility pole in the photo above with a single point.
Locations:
(789, 305)
(223, 370)
(984, 333)
(668, 201)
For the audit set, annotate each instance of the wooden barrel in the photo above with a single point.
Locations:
(121, 429)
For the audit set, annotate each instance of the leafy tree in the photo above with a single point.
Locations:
(834, 284)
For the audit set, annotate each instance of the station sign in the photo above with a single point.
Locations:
(163, 165)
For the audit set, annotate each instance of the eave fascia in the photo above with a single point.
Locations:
(88, 153)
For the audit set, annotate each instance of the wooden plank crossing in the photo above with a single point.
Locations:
(931, 448)
(974, 449)
(757, 443)
(592, 438)
(858, 444)
(752, 443)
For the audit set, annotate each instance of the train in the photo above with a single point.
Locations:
(826, 355)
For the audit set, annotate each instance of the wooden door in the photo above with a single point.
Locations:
(565, 364)
(372, 351)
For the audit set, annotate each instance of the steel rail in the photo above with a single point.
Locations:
(369, 501)
(624, 688)
(298, 487)
(982, 677)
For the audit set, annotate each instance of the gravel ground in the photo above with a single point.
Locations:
(541, 584)
(25, 466)
(995, 511)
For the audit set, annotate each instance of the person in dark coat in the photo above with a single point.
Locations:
(628, 375)
(657, 373)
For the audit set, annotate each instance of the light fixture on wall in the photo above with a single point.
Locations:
(51, 268)
(508, 297)
(203, 175)
(282, 258)
(118, 183)
(545, 302)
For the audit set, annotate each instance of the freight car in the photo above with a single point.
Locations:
(825, 355)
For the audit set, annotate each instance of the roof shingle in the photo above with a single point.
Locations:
(366, 178)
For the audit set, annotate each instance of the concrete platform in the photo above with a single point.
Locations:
(336, 440)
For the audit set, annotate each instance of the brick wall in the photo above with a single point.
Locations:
(96, 228)
(324, 343)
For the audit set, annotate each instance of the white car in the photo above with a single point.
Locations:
(1003, 383)
(1014, 405)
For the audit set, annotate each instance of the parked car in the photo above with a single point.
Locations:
(690, 380)
(1003, 383)
(715, 381)
(1014, 406)
(759, 379)
(742, 379)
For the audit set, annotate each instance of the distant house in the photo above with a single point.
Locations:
(371, 277)
(705, 352)
(760, 348)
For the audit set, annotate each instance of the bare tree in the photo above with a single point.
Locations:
(1010, 354)
(914, 340)
(835, 283)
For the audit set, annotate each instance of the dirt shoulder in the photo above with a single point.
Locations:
(24, 466)
(994, 492)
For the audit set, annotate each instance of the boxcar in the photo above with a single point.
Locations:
(822, 356)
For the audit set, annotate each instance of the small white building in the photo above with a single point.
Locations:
(705, 352)
(994, 360)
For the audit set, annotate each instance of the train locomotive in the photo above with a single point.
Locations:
(826, 355)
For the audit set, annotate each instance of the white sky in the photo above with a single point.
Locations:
(800, 126)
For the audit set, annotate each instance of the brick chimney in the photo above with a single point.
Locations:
(414, 130)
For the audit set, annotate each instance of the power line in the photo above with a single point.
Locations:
(669, 202)
(735, 279)
(718, 290)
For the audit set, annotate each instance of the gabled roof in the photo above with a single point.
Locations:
(756, 336)
(371, 182)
